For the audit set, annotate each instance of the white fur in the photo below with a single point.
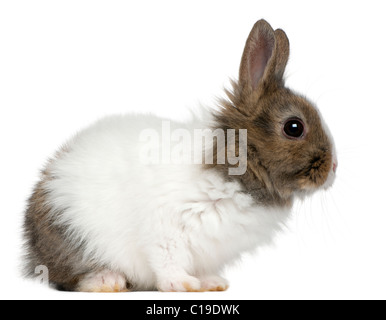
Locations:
(171, 227)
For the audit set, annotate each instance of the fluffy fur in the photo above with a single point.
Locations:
(101, 220)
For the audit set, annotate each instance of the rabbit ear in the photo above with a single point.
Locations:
(281, 53)
(265, 56)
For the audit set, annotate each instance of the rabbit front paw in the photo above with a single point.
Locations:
(183, 283)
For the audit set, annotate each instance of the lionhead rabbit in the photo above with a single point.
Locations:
(103, 219)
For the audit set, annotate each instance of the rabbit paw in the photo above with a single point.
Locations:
(214, 283)
(184, 283)
(103, 281)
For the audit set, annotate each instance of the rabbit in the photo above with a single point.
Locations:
(102, 220)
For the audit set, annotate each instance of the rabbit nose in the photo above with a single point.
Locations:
(334, 166)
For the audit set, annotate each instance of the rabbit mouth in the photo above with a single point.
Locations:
(318, 173)
(330, 180)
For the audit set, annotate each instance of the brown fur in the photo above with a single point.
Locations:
(277, 166)
(46, 241)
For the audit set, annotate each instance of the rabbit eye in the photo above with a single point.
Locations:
(293, 129)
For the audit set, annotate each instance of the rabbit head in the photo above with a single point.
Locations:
(290, 149)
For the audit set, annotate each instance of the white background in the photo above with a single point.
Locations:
(64, 64)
